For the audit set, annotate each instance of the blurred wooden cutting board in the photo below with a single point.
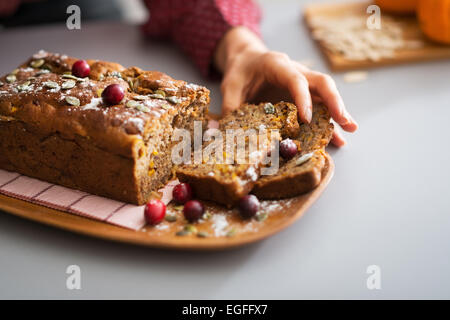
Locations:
(411, 31)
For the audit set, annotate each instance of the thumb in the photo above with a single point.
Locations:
(232, 94)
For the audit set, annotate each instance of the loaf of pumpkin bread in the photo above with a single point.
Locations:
(56, 127)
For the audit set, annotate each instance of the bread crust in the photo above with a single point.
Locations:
(213, 189)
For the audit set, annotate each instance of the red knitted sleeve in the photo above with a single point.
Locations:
(197, 26)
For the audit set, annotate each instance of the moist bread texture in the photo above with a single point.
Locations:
(56, 127)
(303, 172)
(227, 183)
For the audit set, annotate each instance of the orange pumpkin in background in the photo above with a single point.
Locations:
(397, 6)
(434, 19)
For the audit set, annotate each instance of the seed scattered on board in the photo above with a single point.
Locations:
(349, 37)
(355, 76)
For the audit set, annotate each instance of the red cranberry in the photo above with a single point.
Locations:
(154, 211)
(81, 69)
(113, 94)
(182, 193)
(248, 206)
(288, 149)
(193, 210)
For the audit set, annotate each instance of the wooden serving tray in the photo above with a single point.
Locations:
(411, 31)
(281, 214)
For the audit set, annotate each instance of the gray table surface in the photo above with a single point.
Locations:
(388, 204)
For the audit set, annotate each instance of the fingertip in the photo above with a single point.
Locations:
(350, 127)
(226, 110)
(345, 120)
(304, 108)
(338, 141)
(354, 126)
(308, 114)
(305, 114)
(229, 103)
(342, 144)
(232, 94)
(299, 90)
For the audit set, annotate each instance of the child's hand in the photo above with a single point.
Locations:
(248, 66)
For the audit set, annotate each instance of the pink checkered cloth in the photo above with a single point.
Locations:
(77, 202)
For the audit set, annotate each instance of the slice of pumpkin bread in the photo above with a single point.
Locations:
(225, 182)
(303, 172)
